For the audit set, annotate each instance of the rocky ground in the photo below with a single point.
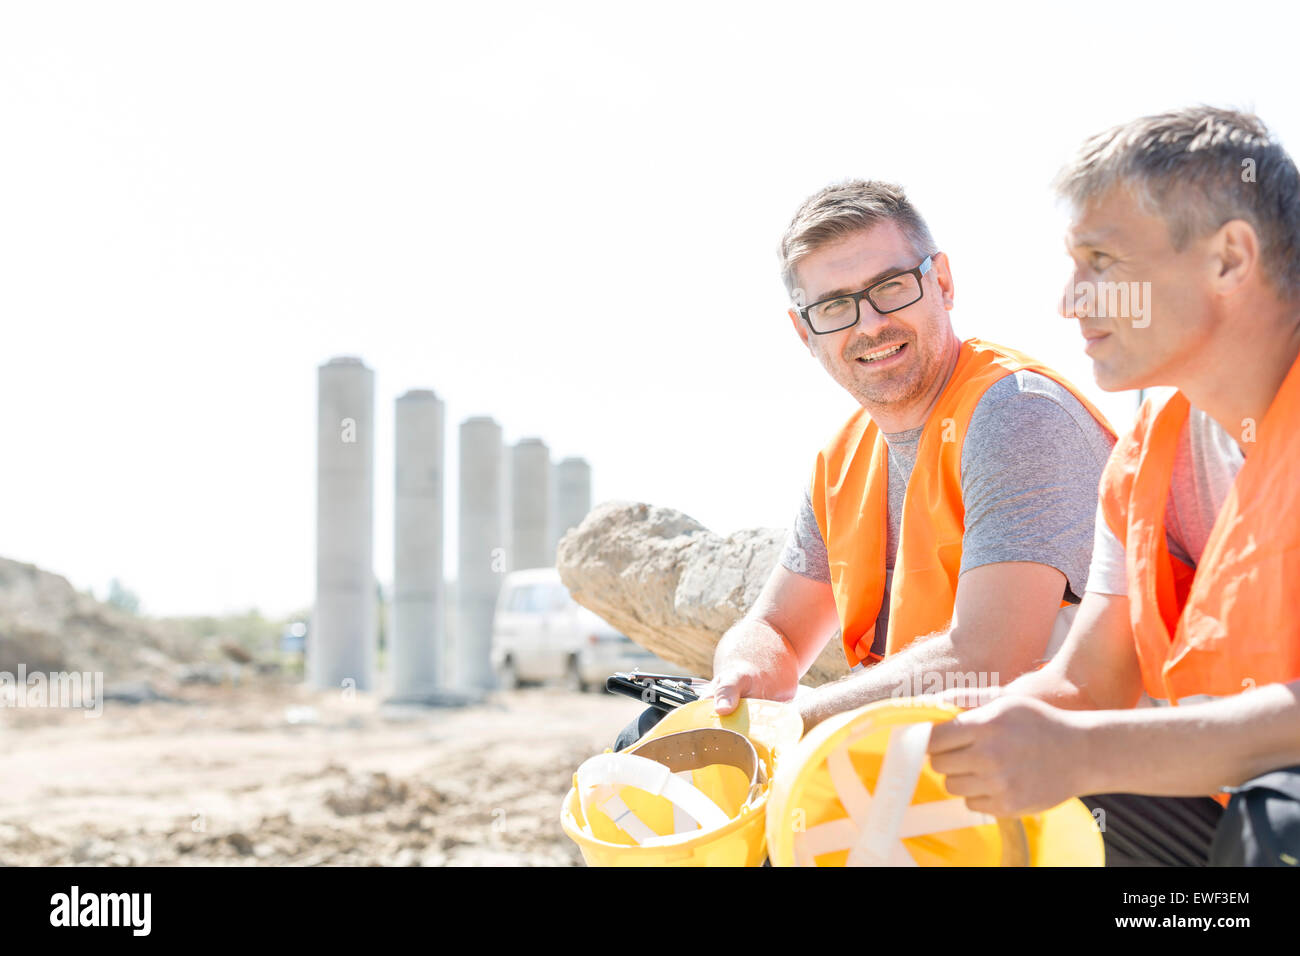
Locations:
(268, 772)
(210, 751)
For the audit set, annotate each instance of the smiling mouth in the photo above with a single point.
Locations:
(882, 354)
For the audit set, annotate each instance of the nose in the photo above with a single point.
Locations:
(1065, 305)
(870, 322)
(1070, 304)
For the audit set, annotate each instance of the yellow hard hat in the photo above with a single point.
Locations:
(859, 791)
(691, 792)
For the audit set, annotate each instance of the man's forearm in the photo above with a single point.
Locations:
(1191, 750)
(915, 671)
(1051, 685)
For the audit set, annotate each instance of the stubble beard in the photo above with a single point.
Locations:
(897, 391)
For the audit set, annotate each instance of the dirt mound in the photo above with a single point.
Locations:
(47, 625)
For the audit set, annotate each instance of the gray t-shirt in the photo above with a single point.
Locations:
(1205, 466)
(1030, 467)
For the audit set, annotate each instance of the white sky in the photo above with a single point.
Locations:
(201, 202)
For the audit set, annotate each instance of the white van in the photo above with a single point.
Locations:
(539, 633)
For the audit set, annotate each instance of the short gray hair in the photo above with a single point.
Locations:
(1198, 168)
(845, 208)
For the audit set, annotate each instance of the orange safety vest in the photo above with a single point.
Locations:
(851, 501)
(1232, 623)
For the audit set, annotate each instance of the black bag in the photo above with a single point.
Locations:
(1261, 826)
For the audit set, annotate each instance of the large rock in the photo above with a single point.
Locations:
(671, 584)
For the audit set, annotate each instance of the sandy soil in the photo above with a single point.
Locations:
(275, 773)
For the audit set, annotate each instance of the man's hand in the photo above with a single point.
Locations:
(768, 650)
(743, 679)
(1010, 757)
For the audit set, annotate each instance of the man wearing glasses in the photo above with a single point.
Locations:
(947, 527)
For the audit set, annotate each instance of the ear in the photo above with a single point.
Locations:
(800, 328)
(942, 273)
(1234, 256)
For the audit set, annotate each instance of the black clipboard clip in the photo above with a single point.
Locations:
(663, 692)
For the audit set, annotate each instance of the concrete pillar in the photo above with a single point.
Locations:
(341, 642)
(415, 659)
(483, 548)
(572, 496)
(530, 514)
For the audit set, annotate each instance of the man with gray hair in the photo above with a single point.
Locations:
(946, 527)
(1191, 595)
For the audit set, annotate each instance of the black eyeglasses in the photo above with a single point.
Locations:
(888, 295)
